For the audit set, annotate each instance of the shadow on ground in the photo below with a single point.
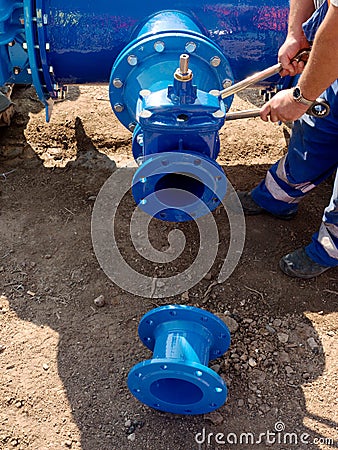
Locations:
(50, 277)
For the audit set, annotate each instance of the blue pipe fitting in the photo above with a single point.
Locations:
(173, 111)
(151, 58)
(177, 379)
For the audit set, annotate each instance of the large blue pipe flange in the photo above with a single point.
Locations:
(179, 186)
(150, 60)
(177, 379)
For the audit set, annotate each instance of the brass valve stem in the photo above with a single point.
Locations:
(183, 73)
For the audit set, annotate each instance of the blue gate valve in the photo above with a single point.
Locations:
(175, 115)
(177, 379)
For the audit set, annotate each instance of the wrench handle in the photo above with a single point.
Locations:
(255, 78)
(245, 114)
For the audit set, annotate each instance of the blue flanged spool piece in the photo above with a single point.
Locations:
(177, 379)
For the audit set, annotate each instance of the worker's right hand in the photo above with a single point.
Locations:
(289, 50)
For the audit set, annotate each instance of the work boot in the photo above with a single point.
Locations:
(250, 207)
(298, 264)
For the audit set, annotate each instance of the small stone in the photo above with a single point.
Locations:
(240, 403)
(230, 323)
(208, 276)
(306, 375)
(45, 366)
(283, 337)
(127, 423)
(99, 301)
(68, 444)
(270, 329)
(312, 344)
(277, 323)
(185, 296)
(244, 357)
(216, 368)
(15, 442)
(131, 437)
(252, 362)
(92, 198)
(289, 370)
(265, 408)
(258, 376)
(284, 357)
(48, 256)
(215, 417)
(249, 321)
(2, 348)
(32, 294)
(331, 333)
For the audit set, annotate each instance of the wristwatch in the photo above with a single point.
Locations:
(298, 97)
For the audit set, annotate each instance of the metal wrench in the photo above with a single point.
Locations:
(320, 108)
(302, 55)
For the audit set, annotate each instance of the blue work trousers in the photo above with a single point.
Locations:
(312, 156)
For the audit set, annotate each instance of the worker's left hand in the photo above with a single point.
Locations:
(282, 107)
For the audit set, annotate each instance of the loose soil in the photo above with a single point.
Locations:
(64, 361)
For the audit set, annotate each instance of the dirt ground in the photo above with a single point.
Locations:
(64, 361)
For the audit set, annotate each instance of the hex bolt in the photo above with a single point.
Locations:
(47, 46)
(140, 140)
(11, 44)
(25, 45)
(132, 126)
(219, 114)
(145, 114)
(215, 61)
(145, 93)
(118, 107)
(117, 83)
(159, 46)
(226, 83)
(51, 69)
(190, 47)
(16, 70)
(132, 60)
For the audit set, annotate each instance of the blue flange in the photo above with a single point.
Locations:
(151, 58)
(179, 186)
(177, 379)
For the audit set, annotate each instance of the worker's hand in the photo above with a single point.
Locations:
(289, 50)
(282, 107)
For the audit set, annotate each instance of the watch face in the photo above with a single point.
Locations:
(296, 93)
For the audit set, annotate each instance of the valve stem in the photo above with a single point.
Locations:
(183, 73)
(184, 64)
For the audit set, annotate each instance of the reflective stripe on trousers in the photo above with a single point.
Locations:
(312, 156)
